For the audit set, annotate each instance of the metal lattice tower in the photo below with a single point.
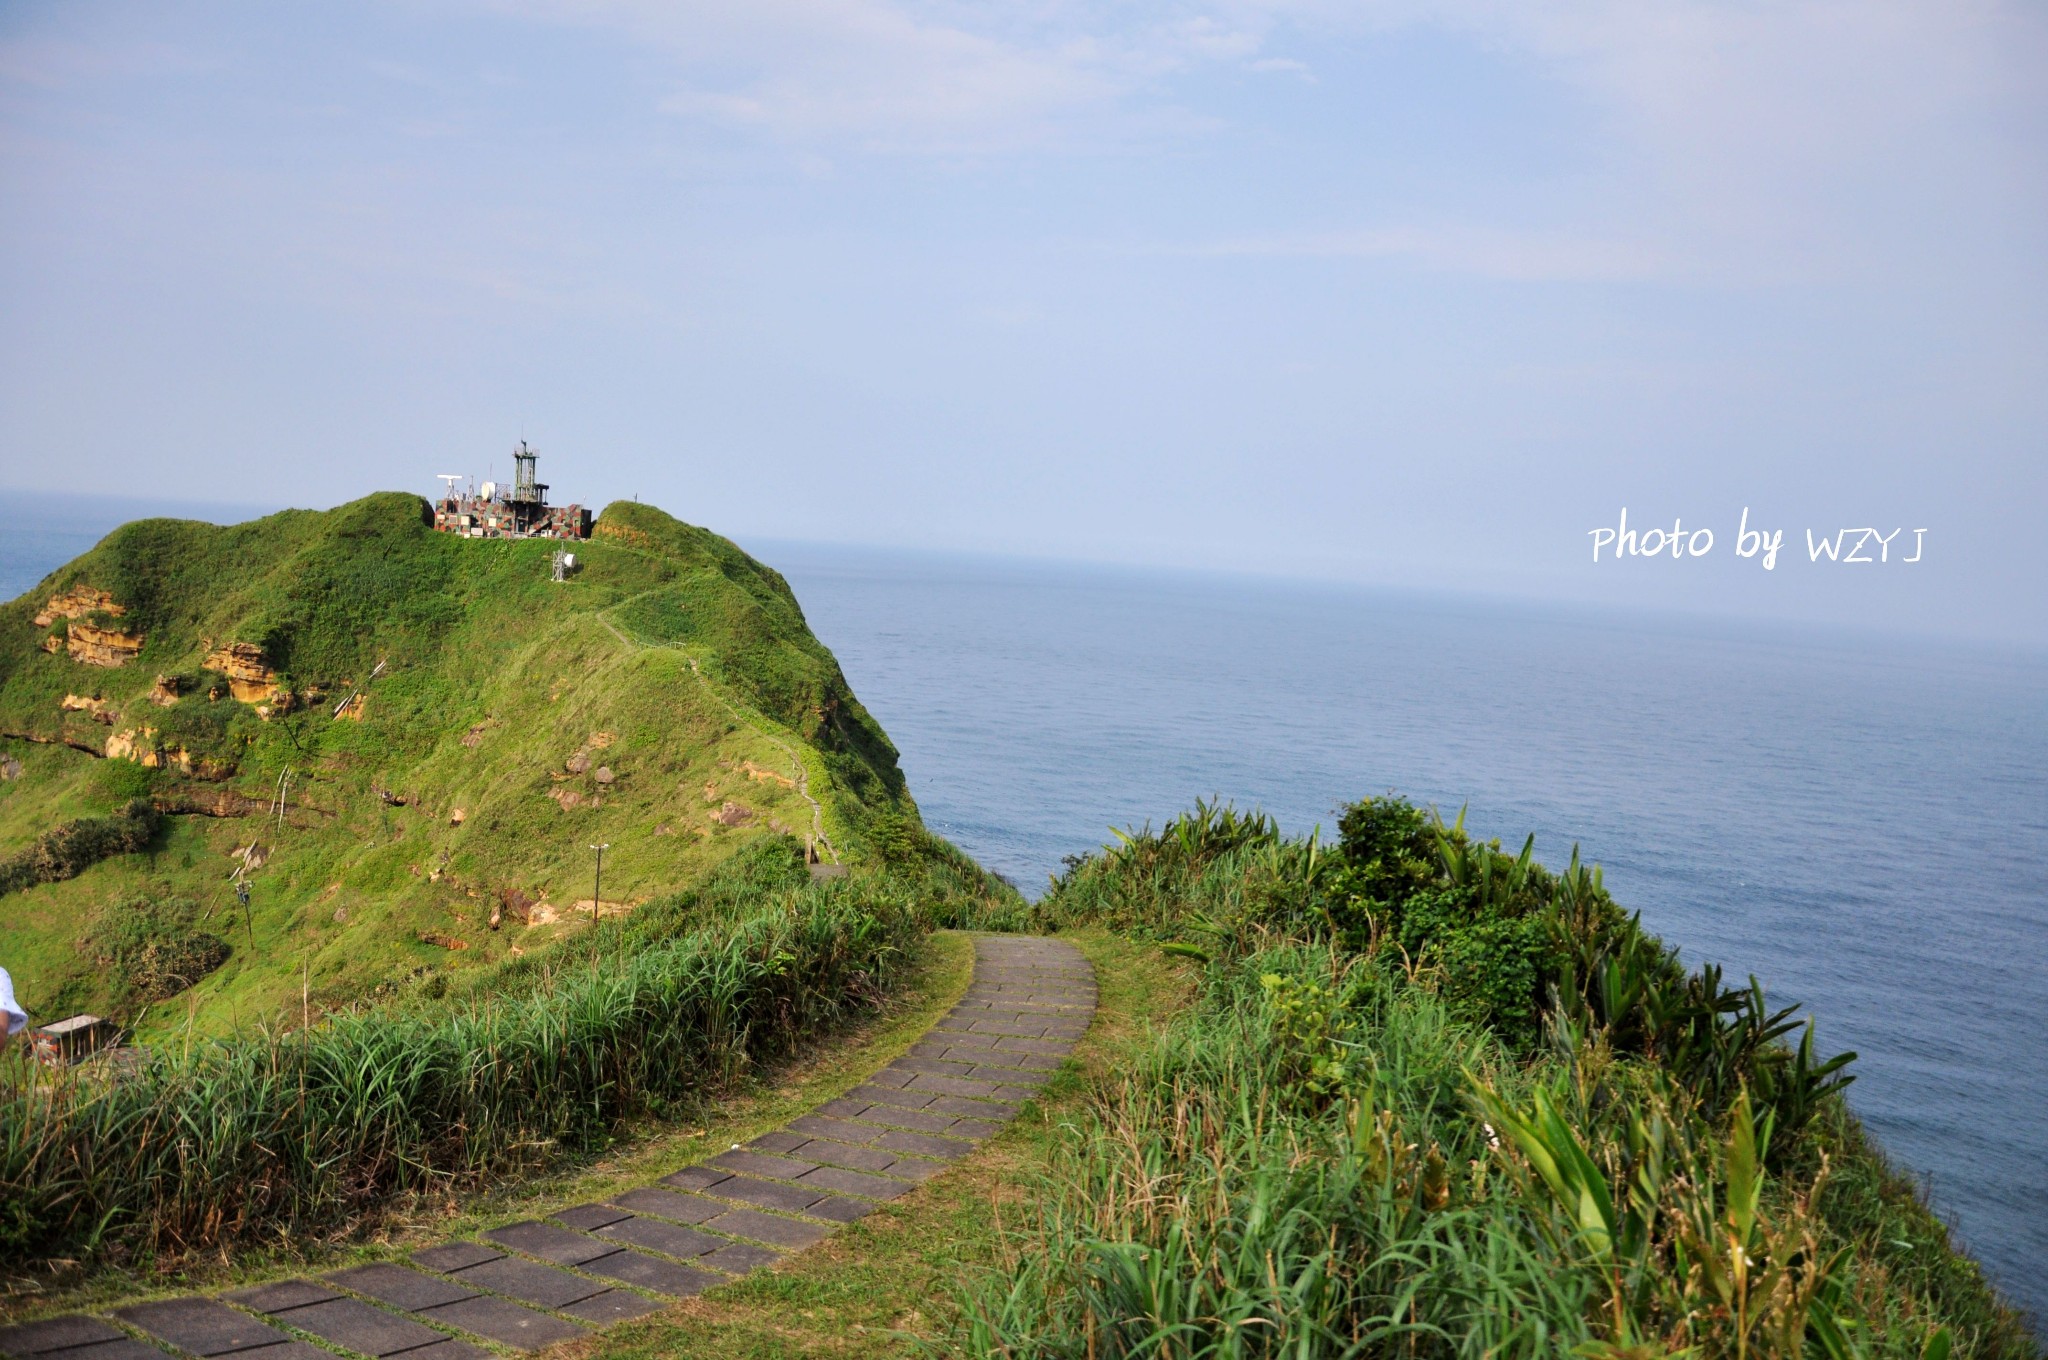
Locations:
(524, 488)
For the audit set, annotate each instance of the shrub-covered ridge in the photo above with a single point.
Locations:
(1436, 1100)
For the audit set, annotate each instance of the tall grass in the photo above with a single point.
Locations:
(1346, 1146)
(282, 1133)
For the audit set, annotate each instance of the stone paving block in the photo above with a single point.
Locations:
(56, 1334)
(652, 1273)
(614, 1305)
(1005, 1077)
(891, 1077)
(1051, 1048)
(1008, 1029)
(839, 1180)
(283, 1350)
(790, 1199)
(845, 1130)
(450, 1349)
(1009, 1092)
(887, 1095)
(776, 1232)
(923, 1145)
(974, 1128)
(589, 1217)
(670, 1204)
(450, 1257)
(838, 1209)
(924, 1121)
(778, 1142)
(530, 1282)
(935, 1065)
(123, 1347)
(205, 1327)
(967, 1108)
(961, 1041)
(695, 1178)
(504, 1322)
(761, 1164)
(281, 1296)
(848, 1155)
(842, 1108)
(357, 1326)
(1028, 1062)
(954, 1086)
(737, 1258)
(402, 1288)
(914, 1169)
(549, 1242)
(667, 1238)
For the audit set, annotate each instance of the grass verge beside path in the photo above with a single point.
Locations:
(882, 1285)
(833, 1064)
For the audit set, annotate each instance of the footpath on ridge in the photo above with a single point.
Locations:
(535, 1283)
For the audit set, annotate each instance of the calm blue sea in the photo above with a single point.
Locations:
(1861, 822)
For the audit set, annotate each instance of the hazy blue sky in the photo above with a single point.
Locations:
(1411, 292)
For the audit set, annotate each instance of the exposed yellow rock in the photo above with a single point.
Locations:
(250, 677)
(166, 690)
(137, 744)
(76, 603)
(82, 703)
(96, 646)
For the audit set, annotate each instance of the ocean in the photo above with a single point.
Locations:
(1860, 821)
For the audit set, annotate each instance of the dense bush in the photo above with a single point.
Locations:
(76, 846)
(152, 948)
(1436, 1100)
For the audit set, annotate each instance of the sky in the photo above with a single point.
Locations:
(1419, 293)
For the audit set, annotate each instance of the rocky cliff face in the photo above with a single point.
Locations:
(250, 677)
(77, 603)
(96, 646)
(93, 643)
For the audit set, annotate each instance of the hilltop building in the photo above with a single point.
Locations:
(520, 510)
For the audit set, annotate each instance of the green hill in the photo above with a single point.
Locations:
(158, 693)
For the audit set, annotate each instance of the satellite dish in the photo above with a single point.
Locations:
(490, 491)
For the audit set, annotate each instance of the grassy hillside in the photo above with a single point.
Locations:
(667, 699)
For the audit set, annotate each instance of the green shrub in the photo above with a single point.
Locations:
(152, 949)
(1435, 1100)
(76, 846)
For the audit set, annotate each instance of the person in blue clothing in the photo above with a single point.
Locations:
(13, 1019)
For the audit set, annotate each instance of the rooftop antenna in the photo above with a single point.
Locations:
(450, 479)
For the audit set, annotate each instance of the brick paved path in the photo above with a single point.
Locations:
(531, 1284)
